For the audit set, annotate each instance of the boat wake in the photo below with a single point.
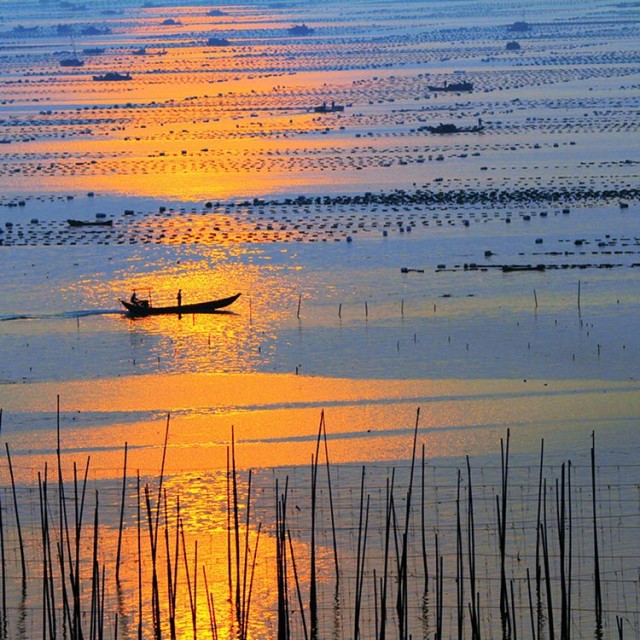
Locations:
(62, 315)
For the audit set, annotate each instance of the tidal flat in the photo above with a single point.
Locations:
(420, 418)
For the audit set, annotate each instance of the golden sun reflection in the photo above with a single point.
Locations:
(192, 123)
(276, 418)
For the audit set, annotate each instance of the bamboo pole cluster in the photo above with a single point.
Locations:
(375, 581)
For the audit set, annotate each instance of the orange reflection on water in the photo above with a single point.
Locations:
(199, 556)
(276, 418)
(189, 125)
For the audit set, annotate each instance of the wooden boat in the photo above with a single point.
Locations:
(451, 128)
(142, 308)
(454, 86)
(328, 108)
(112, 76)
(89, 223)
(71, 62)
(510, 268)
(300, 30)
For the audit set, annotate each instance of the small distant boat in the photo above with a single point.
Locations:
(143, 308)
(300, 30)
(328, 108)
(71, 62)
(454, 86)
(509, 268)
(520, 26)
(95, 31)
(112, 76)
(93, 51)
(452, 128)
(89, 223)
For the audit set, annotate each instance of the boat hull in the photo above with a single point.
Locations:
(211, 306)
(445, 129)
(89, 223)
(456, 86)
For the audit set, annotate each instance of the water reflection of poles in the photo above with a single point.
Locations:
(579, 308)
(21, 625)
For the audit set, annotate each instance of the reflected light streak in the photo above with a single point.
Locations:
(276, 418)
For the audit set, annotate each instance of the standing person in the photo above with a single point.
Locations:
(179, 297)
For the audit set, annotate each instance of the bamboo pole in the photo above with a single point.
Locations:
(281, 557)
(45, 585)
(532, 618)
(295, 575)
(49, 563)
(570, 554)
(124, 487)
(3, 578)
(23, 562)
(95, 579)
(243, 611)
(313, 594)
(401, 604)
(545, 555)
(423, 529)
(596, 551)
(561, 524)
(539, 608)
(192, 590)
(65, 542)
(439, 591)
(459, 565)
(505, 609)
(360, 557)
(171, 579)
(229, 554)
(252, 575)
(155, 596)
(138, 526)
(236, 531)
(471, 552)
(385, 572)
(213, 624)
(333, 520)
